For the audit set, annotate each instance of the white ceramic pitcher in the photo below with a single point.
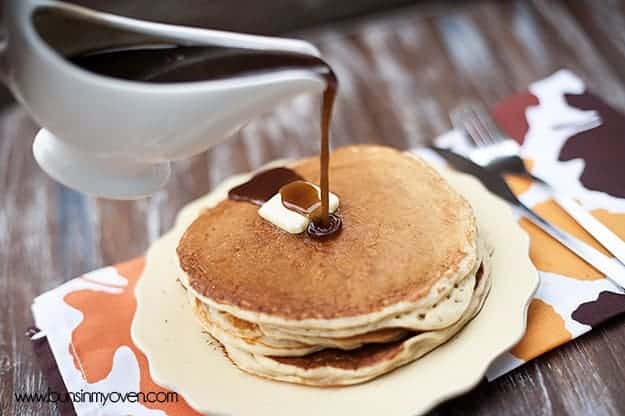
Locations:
(116, 138)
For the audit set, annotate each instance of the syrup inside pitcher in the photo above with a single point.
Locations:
(128, 55)
(177, 64)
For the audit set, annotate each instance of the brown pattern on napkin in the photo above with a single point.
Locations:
(602, 148)
(510, 114)
(606, 306)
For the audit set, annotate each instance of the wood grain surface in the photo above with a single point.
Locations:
(400, 74)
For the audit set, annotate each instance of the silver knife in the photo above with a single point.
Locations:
(600, 232)
(612, 269)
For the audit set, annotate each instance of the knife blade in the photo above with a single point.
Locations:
(611, 268)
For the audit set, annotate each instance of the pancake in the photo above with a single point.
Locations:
(406, 232)
(332, 367)
(256, 345)
(449, 307)
(254, 339)
(406, 273)
(233, 326)
(444, 313)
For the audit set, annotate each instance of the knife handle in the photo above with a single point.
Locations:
(612, 269)
(600, 232)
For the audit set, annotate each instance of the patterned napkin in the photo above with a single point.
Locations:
(568, 136)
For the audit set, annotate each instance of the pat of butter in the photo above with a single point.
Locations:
(287, 220)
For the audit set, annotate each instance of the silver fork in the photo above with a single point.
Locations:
(499, 153)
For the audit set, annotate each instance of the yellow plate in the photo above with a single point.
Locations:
(181, 356)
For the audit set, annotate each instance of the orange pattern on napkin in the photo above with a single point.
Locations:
(93, 354)
(545, 330)
(550, 256)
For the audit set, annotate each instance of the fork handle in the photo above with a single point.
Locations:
(600, 232)
(612, 269)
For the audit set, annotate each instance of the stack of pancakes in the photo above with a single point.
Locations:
(405, 274)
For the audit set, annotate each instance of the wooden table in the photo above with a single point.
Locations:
(400, 73)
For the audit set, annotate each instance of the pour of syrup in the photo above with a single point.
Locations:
(179, 64)
(329, 96)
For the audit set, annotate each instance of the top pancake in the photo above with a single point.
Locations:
(404, 229)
